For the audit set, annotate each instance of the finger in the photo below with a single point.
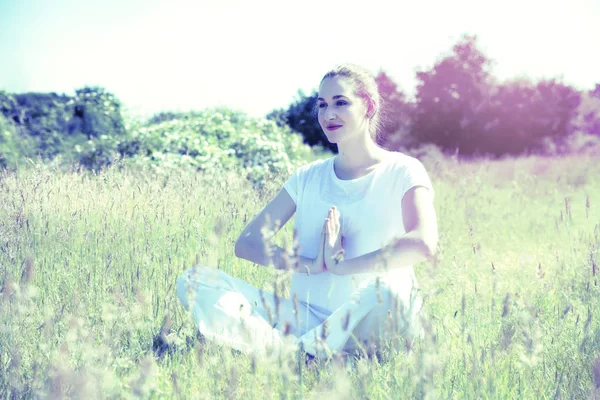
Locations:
(323, 236)
(339, 256)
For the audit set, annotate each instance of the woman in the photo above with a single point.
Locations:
(363, 218)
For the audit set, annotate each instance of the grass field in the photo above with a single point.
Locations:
(89, 264)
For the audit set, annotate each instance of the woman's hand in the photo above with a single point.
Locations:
(334, 247)
(317, 265)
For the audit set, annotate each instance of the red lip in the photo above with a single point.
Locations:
(333, 127)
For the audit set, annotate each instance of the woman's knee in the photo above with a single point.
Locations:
(187, 281)
(394, 315)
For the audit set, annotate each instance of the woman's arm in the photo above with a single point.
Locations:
(254, 243)
(417, 245)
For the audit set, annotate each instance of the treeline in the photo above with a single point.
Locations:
(50, 124)
(88, 130)
(460, 107)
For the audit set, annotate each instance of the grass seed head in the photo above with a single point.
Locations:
(27, 274)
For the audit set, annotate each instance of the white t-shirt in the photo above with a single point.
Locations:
(370, 217)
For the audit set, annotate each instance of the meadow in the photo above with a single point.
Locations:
(89, 262)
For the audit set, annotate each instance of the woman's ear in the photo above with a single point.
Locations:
(370, 108)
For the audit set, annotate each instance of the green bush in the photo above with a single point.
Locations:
(206, 140)
(97, 112)
(8, 148)
(50, 125)
(13, 145)
(8, 105)
(42, 119)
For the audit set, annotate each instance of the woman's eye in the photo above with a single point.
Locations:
(322, 105)
(341, 103)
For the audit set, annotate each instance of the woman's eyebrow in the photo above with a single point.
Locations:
(337, 96)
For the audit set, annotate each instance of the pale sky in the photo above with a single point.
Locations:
(255, 55)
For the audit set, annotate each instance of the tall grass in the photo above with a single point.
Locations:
(89, 262)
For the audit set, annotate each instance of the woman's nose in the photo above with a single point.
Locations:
(329, 114)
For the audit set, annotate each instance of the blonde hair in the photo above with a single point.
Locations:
(365, 88)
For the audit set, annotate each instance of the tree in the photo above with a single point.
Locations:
(521, 116)
(98, 111)
(451, 98)
(301, 117)
(587, 119)
(396, 114)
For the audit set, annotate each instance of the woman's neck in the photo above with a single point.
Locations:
(359, 156)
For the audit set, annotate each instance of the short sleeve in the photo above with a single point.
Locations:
(416, 175)
(299, 182)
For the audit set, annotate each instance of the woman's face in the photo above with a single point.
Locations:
(342, 114)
